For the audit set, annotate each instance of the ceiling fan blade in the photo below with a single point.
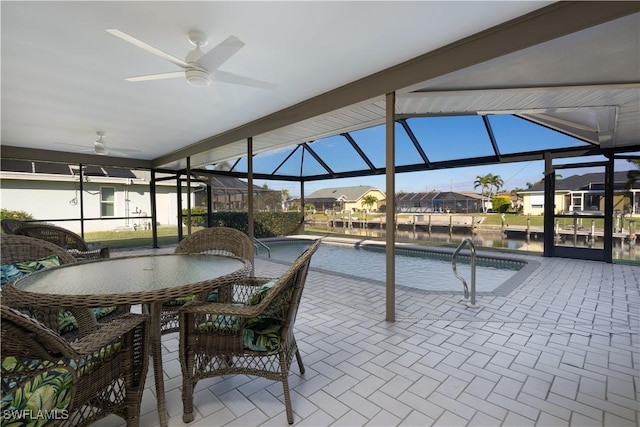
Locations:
(219, 54)
(134, 41)
(123, 152)
(85, 149)
(102, 149)
(223, 76)
(160, 76)
(70, 145)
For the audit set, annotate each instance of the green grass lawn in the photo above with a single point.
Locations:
(511, 219)
(132, 239)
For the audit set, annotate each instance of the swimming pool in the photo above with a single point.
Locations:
(422, 268)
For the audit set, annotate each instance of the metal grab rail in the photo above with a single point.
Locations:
(257, 242)
(472, 247)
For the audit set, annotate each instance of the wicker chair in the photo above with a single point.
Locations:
(72, 384)
(9, 225)
(17, 248)
(214, 241)
(66, 239)
(251, 339)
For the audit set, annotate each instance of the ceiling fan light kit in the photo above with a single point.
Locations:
(101, 149)
(198, 78)
(99, 146)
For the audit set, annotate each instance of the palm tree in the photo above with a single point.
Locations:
(482, 181)
(495, 181)
(369, 200)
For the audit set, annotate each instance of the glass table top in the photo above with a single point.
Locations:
(129, 275)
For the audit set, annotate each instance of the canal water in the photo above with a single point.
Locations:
(490, 239)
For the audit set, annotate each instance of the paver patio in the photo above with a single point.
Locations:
(563, 348)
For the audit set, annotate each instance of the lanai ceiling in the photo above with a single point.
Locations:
(570, 66)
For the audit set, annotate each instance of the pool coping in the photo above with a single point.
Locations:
(504, 289)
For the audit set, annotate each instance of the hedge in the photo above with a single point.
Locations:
(266, 224)
(501, 204)
(19, 215)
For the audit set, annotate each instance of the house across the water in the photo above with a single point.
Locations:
(579, 193)
(345, 199)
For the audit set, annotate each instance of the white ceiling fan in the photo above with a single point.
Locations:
(100, 147)
(199, 68)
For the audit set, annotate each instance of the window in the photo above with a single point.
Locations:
(537, 201)
(107, 201)
(576, 202)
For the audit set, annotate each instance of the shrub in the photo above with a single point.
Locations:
(198, 216)
(266, 224)
(19, 215)
(501, 204)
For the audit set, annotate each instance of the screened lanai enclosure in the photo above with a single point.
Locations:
(401, 87)
(422, 143)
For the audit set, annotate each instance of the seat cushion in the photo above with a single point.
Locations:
(68, 323)
(258, 295)
(11, 272)
(259, 333)
(262, 333)
(177, 302)
(47, 395)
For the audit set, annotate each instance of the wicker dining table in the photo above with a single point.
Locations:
(145, 279)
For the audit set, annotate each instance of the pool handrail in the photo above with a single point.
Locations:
(472, 248)
(257, 242)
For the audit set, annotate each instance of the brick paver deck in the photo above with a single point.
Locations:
(563, 348)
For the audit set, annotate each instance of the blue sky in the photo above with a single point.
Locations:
(460, 179)
(441, 139)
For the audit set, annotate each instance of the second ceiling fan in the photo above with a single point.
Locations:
(198, 67)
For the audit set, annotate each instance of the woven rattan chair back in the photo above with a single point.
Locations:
(217, 241)
(62, 237)
(213, 337)
(9, 225)
(100, 374)
(66, 239)
(213, 241)
(18, 248)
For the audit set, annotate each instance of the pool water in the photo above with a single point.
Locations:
(414, 268)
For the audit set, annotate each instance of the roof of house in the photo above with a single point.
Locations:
(413, 197)
(49, 171)
(348, 194)
(436, 195)
(586, 182)
(24, 166)
(221, 184)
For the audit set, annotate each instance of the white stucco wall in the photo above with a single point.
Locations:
(51, 197)
(531, 203)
